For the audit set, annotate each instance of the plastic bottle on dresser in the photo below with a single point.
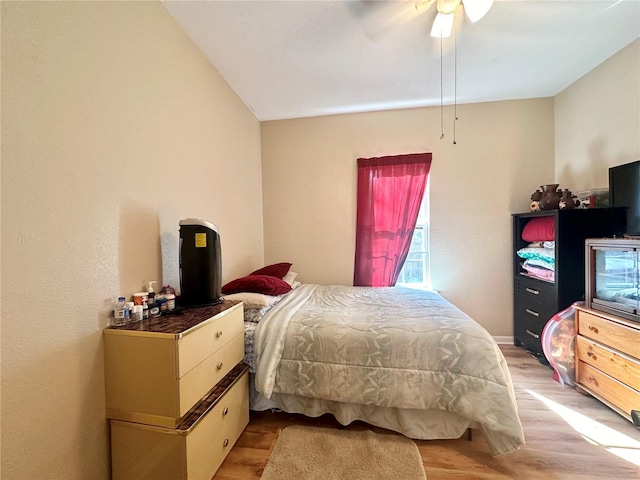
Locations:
(171, 301)
(151, 294)
(161, 302)
(120, 313)
(154, 308)
(136, 313)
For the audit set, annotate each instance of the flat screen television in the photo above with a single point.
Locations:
(624, 191)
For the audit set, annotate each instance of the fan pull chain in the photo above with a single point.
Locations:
(441, 95)
(455, 83)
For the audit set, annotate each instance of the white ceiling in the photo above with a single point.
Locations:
(291, 59)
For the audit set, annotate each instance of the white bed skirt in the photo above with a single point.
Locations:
(416, 424)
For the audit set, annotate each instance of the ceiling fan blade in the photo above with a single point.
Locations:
(375, 19)
(476, 9)
(442, 25)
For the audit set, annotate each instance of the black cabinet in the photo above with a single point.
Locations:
(535, 301)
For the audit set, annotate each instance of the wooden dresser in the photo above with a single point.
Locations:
(176, 392)
(608, 359)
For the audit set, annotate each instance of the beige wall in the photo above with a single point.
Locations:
(597, 121)
(114, 127)
(504, 151)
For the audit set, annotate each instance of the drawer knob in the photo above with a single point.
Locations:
(218, 333)
(592, 379)
(219, 366)
(226, 442)
(531, 312)
(593, 329)
(532, 291)
(225, 411)
(592, 355)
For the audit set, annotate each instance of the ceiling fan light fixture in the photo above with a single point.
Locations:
(476, 9)
(422, 5)
(442, 25)
(447, 6)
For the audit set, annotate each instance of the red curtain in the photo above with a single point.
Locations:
(390, 191)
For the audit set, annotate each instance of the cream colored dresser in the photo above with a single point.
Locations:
(608, 359)
(176, 392)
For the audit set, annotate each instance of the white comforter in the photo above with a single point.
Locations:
(387, 347)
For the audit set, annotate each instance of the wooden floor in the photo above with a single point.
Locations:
(550, 415)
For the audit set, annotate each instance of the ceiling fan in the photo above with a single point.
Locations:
(443, 24)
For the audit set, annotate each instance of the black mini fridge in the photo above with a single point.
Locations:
(200, 265)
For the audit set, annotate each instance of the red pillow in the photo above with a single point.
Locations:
(264, 284)
(276, 270)
(540, 229)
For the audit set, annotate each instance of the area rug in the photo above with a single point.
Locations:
(310, 453)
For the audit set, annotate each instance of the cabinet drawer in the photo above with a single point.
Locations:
(526, 332)
(194, 453)
(619, 366)
(606, 332)
(536, 290)
(195, 384)
(210, 441)
(610, 390)
(538, 314)
(198, 344)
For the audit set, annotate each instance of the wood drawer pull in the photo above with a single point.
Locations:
(219, 334)
(531, 312)
(219, 366)
(593, 380)
(226, 442)
(593, 329)
(592, 355)
(225, 411)
(531, 290)
(534, 335)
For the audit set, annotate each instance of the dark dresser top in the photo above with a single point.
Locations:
(176, 322)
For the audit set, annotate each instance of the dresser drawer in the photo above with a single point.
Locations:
(610, 390)
(209, 443)
(525, 330)
(606, 332)
(197, 344)
(536, 291)
(537, 314)
(196, 383)
(622, 367)
(155, 378)
(193, 451)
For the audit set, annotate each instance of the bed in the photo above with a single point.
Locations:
(399, 358)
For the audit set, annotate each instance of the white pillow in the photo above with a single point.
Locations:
(290, 277)
(254, 300)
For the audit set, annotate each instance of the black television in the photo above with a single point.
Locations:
(624, 191)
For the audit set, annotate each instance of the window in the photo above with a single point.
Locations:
(416, 271)
(390, 192)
